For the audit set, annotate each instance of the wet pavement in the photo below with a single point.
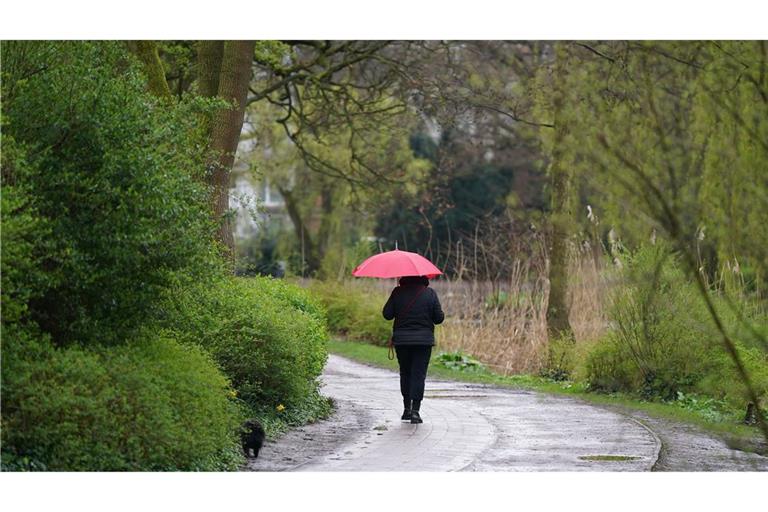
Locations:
(470, 427)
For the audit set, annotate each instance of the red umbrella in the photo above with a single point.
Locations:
(396, 264)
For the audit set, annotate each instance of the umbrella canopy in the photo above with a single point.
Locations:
(396, 264)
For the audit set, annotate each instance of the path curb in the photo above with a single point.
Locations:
(656, 438)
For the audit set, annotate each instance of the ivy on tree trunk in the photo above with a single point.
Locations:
(147, 53)
(558, 325)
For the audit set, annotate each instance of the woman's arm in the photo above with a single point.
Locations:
(437, 311)
(389, 307)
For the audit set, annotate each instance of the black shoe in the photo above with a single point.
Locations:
(415, 417)
(406, 410)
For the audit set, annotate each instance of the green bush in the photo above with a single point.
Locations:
(112, 175)
(25, 240)
(268, 337)
(663, 342)
(278, 420)
(560, 362)
(152, 404)
(353, 311)
(105, 215)
(609, 369)
(724, 383)
(459, 361)
(293, 295)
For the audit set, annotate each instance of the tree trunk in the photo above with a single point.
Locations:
(209, 55)
(326, 222)
(224, 71)
(310, 261)
(558, 325)
(147, 53)
(226, 124)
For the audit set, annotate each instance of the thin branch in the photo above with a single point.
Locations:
(673, 229)
(596, 52)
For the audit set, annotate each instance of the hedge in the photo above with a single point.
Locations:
(152, 404)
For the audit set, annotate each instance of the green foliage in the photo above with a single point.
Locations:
(25, 248)
(459, 361)
(353, 311)
(278, 420)
(609, 370)
(180, 64)
(668, 139)
(663, 341)
(342, 258)
(271, 53)
(102, 210)
(370, 149)
(108, 175)
(709, 408)
(267, 336)
(670, 135)
(257, 255)
(561, 353)
(152, 404)
(293, 295)
(104, 216)
(731, 125)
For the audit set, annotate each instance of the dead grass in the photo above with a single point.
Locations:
(503, 323)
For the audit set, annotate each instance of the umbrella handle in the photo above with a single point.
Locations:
(391, 352)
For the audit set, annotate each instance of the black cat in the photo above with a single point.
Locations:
(252, 437)
(751, 417)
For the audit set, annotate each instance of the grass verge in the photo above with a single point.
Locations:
(737, 436)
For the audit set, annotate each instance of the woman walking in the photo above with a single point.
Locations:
(416, 309)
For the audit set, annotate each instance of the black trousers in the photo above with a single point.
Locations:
(413, 360)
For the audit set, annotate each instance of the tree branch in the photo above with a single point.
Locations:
(147, 53)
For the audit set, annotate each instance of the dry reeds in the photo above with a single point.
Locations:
(503, 322)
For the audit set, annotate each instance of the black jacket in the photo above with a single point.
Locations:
(417, 327)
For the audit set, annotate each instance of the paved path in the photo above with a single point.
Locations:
(467, 427)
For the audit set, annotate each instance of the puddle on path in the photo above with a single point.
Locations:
(609, 458)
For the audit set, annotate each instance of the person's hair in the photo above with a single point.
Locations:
(413, 281)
